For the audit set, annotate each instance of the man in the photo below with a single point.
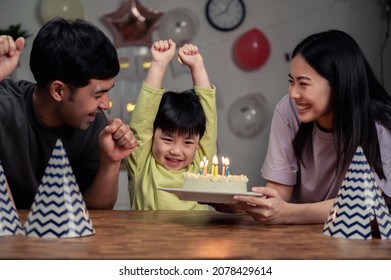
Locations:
(74, 65)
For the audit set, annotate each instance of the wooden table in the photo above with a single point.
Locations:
(191, 235)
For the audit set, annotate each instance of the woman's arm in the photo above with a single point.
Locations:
(274, 207)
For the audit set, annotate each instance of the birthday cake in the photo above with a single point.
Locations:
(214, 183)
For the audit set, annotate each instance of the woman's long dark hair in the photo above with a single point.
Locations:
(359, 100)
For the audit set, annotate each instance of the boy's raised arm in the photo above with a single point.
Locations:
(191, 57)
(162, 52)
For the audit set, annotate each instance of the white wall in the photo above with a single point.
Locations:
(284, 22)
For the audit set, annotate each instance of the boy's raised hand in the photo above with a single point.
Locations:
(190, 55)
(163, 51)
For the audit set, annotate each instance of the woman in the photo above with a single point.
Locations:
(335, 104)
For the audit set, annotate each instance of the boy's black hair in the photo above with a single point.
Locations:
(182, 113)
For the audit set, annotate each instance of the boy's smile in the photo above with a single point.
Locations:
(172, 151)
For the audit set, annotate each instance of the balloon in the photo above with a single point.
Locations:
(69, 9)
(132, 24)
(251, 50)
(178, 68)
(247, 115)
(180, 24)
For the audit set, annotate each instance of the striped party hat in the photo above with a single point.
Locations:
(58, 210)
(359, 208)
(9, 218)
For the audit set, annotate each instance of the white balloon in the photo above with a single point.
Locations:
(68, 9)
(180, 24)
(247, 115)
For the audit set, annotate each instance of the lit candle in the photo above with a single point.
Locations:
(205, 172)
(227, 169)
(215, 166)
(223, 166)
(201, 167)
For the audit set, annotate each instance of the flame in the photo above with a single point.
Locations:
(215, 161)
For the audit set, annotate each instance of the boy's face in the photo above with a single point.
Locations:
(172, 151)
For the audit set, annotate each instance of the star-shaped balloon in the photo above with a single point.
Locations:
(132, 24)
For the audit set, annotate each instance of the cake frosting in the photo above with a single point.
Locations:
(213, 183)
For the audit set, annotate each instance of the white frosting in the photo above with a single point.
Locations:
(210, 183)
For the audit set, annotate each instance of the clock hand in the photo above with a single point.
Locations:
(219, 13)
(229, 5)
(226, 8)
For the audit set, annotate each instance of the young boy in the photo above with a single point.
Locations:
(174, 131)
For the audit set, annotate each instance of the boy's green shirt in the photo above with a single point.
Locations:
(146, 176)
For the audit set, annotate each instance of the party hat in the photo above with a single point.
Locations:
(359, 204)
(58, 209)
(9, 218)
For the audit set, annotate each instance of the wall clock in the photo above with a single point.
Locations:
(225, 15)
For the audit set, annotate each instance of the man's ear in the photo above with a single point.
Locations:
(57, 90)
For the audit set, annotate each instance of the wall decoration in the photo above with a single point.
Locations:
(251, 50)
(69, 9)
(131, 64)
(180, 24)
(132, 24)
(248, 115)
(225, 15)
(15, 31)
(128, 81)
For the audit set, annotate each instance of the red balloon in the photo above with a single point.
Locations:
(251, 50)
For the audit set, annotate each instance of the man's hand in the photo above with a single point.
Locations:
(116, 141)
(10, 52)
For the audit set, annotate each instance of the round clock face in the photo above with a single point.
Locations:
(225, 15)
